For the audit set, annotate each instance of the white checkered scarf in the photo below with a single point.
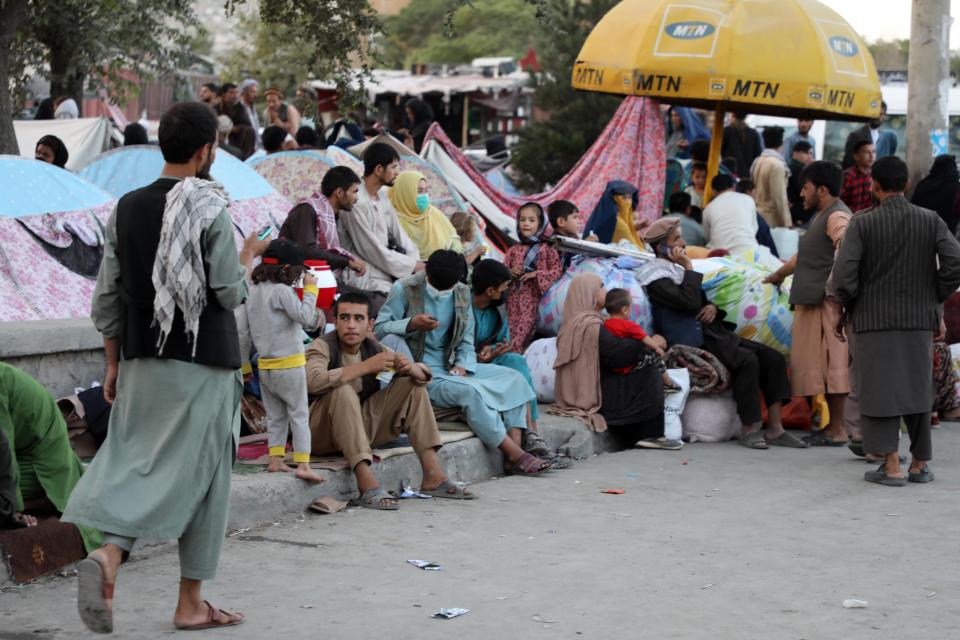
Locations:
(178, 274)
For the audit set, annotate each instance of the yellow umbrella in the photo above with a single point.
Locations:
(777, 57)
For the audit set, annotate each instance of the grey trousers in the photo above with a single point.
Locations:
(882, 435)
(202, 540)
(284, 393)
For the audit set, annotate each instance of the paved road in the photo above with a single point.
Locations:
(714, 541)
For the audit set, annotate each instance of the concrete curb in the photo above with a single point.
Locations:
(262, 498)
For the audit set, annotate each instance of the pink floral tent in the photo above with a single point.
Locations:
(295, 174)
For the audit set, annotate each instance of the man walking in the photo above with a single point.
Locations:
(164, 302)
(896, 267)
(770, 174)
(883, 141)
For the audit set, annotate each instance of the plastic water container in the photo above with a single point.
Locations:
(326, 282)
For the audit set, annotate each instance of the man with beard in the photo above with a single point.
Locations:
(168, 284)
(312, 226)
(209, 93)
(352, 412)
(371, 230)
(801, 134)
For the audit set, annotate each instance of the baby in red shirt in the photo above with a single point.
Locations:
(618, 303)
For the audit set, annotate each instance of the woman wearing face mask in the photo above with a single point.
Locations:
(426, 225)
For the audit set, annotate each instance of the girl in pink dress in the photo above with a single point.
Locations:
(535, 266)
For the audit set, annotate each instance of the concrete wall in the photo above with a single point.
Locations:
(60, 354)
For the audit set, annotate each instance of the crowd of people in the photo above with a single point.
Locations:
(425, 327)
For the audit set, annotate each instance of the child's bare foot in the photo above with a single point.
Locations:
(304, 472)
(277, 464)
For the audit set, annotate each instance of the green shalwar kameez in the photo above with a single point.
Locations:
(164, 469)
(42, 463)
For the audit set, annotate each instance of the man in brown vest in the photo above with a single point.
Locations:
(349, 412)
(818, 356)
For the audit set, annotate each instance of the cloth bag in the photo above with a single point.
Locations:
(674, 404)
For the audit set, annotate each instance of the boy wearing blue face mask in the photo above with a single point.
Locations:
(432, 312)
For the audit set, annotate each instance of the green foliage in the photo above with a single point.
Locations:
(439, 32)
(334, 35)
(274, 54)
(548, 149)
(73, 42)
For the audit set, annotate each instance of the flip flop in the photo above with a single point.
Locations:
(215, 618)
(92, 595)
(443, 491)
(819, 440)
(753, 440)
(372, 499)
(856, 447)
(879, 476)
(787, 439)
(528, 465)
(926, 475)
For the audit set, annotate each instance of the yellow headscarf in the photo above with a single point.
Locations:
(430, 230)
(626, 228)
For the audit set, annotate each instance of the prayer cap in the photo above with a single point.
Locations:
(661, 229)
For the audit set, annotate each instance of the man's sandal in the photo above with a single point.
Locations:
(753, 440)
(93, 591)
(528, 465)
(443, 490)
(216, 617)
(373, 499)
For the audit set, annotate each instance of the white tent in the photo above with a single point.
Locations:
(85, 138)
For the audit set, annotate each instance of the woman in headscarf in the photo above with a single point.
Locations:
(44, 110)
(535, 266)
(66, 108)
(426, 225)
(612, 219)
(50, 149)
(938, 191)
(587, 384)
(684, 128)
(420, 117)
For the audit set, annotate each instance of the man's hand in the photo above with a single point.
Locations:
(458, 371)
(422, 322)
(420, 266)
(708, 314)
(774, 278)
(359, 266)
(23, 520)
(941, 333)
(110, 383)
(253, 246)
(679, 256)
(383, 361)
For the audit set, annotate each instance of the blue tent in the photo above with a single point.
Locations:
(122, 170)
(29, 187)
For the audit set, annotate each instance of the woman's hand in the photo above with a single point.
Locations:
(517, 271)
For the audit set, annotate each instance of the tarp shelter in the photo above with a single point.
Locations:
(295, 174)
(85, 138)
(631, 148)
(51, 240)
(254, 203)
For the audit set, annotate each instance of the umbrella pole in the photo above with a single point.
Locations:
(716, 141)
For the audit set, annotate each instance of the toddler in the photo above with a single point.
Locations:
(617, 304)
(274, 317)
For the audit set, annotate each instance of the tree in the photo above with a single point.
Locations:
(12, 13)
(548, 148)
(484, 28)
(272, 53)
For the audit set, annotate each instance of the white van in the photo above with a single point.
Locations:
(831, 135)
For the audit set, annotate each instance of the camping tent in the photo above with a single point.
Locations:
(254, 203)
(84, 138)
(295, 174)
(51, 237)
